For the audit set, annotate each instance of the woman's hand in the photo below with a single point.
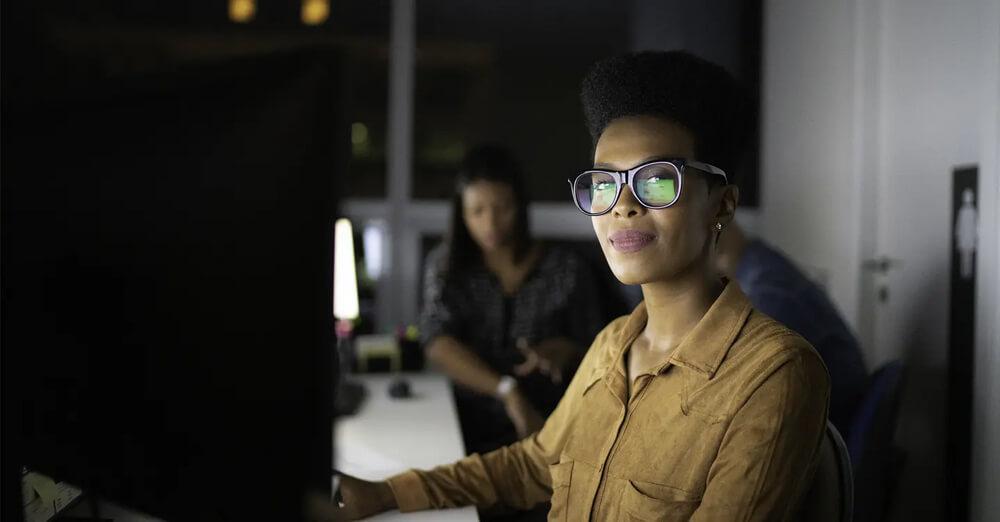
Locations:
(358, 499)
(550, 357)
(525, 417)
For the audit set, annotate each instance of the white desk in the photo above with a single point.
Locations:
(389, 435)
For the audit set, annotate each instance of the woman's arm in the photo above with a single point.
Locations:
(468, 370)
(461, 365)
(767, 455)
(579, 319)
(440, 323)
(516, 475)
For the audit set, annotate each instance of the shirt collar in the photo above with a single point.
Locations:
(705, 347)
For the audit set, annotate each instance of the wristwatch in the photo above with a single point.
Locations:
(505, 386)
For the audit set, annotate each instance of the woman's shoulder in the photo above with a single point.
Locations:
(437, 252)
(434, 261)
(765, 352)
(559, 257)
(767, 345)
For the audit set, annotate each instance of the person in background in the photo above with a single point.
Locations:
(778, 288)
(506, 317)
(694, 407)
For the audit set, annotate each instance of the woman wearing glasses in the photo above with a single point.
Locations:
(504, 316)
(695, 406)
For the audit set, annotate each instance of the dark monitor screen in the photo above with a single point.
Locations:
(167, 253)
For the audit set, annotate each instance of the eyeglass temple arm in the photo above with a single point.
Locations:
(711, 169)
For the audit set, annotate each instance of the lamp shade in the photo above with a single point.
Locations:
(345, 280)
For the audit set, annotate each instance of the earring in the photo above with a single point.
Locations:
(718, 226)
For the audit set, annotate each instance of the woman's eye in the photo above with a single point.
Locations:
(603, 186)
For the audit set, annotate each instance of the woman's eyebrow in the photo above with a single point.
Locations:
(608, 166)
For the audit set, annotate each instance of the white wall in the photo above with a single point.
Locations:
(867, 105)
(938, 61)
(985, 502)
(808, 179)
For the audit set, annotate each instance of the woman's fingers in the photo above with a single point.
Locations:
(318, 508)
(530, 364)
(526, 368)
(354, 499)
(547, 357)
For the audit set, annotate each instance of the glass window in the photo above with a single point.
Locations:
(510, 72)
(362, 31)
(507, 73)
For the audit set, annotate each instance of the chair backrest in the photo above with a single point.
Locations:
(830, 497)
(875, 419)
(874, 454)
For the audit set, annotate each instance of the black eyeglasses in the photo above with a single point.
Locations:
(656, 184)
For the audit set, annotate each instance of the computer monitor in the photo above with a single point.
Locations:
(167, 255)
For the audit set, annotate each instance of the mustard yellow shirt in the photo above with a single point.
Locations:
(727, 429)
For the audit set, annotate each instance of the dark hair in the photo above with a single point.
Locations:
(678, 86)
(485, 163)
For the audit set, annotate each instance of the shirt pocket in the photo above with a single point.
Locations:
(647, 502)
(561, 478)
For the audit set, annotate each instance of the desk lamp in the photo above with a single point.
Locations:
(345, 279)
(345, 311)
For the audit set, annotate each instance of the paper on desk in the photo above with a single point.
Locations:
(44, 498)
(366, 463)
(42, 486)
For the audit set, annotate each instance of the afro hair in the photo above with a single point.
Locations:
(677, 86)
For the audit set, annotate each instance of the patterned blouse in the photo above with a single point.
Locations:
(558, 298)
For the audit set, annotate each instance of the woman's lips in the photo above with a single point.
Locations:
(630, 240)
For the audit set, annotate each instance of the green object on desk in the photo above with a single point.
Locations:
(369, 347)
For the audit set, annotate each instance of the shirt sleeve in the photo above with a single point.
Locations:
(516, 475)
(770, 449)
(437, 313)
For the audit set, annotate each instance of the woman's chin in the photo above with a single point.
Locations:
(631, 276)
(490, 247)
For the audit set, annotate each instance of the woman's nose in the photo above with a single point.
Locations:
(492, 218)
(627, 205)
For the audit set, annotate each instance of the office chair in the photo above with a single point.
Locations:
(876, 458)
(830, 497)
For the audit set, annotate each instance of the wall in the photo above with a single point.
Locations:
(866, 108)
(807, 175)
(985, 502)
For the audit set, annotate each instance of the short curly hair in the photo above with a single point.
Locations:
(678, 86)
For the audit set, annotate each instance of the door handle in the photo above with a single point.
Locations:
(881, 264)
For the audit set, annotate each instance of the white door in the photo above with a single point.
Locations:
(928, 103)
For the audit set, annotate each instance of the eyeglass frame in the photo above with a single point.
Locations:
(625, 177)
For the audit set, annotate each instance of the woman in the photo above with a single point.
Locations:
(695, 406)
(504, 316)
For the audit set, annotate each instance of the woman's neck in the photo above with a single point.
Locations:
(675, 307)
(511, 273)
(501, 259)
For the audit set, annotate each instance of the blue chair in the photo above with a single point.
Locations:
(830, 497)
(876, 458)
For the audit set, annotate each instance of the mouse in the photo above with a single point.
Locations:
(400, 389)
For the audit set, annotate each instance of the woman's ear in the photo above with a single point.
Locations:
(729, 197)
